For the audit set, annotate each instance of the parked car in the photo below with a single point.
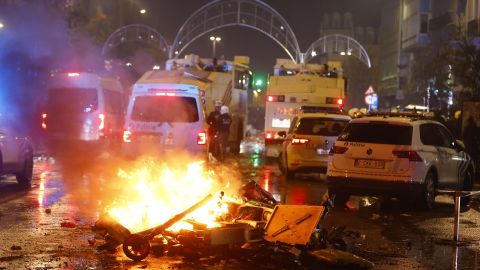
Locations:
(308, 141)
(16, 155)
(410, 158)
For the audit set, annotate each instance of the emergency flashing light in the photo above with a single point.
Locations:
(165, 94)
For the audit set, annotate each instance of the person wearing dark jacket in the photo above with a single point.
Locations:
(224, 123)
(212, 121)
(471, 138)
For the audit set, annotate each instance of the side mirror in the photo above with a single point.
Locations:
(459, 145)
(282, 134)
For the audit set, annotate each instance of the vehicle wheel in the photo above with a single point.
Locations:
(467, 186)
(427, 199)
(24, 177)
(136, 247)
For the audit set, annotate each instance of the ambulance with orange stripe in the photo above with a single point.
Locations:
(294, 88)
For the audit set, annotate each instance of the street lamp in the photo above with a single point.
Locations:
(214, 41)
(143, 11)
(1, 25)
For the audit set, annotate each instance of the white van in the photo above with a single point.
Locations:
(164, 118)
(83, 109)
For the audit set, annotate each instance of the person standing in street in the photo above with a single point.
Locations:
(225, 121)
(471, 139)
(212, 121)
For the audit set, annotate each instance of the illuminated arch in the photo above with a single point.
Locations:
(339, 44)
(136, 33)
(253, 14)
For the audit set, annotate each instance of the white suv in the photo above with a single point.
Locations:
(308, 141)
(405, 157)
(16, 155)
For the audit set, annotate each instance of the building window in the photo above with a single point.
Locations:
(424, 5)
(423, 23)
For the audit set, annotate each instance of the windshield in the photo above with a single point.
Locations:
(320, 126)
(165, 109)
(72, 100)
(380, 133)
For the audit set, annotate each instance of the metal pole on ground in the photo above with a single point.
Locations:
(456, 222)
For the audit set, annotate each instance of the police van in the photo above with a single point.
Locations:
(83, 109)
(164, 118)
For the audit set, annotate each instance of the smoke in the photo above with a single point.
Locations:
(34, 42)
(33, 39)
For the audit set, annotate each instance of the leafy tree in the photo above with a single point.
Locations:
(466, 68)
(98, 19)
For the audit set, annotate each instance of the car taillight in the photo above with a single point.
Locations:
(202, 138)
(44, 120)
(268, 135)
(337, 150)
(127, 136)
(340, 102)
(299, 141)
(101, 125)
(280, 98)
(411, 155)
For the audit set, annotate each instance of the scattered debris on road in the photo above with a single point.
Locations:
(259, 225)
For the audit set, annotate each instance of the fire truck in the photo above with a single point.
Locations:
(299, 87)
(226, 81)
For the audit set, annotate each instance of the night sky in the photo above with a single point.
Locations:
(304, 17)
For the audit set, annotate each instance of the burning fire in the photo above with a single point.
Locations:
(153, 193)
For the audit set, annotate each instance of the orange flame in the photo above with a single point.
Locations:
(154, 193)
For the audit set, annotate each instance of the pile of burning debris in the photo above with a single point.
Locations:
(257, 222)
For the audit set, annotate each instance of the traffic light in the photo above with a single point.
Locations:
(259, 81)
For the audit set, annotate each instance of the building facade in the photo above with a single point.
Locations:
(407, 29)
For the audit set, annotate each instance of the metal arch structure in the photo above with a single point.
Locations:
(136, 33)
(336, 44)
(253, 14)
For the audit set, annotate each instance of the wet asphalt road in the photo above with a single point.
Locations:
(387, 233)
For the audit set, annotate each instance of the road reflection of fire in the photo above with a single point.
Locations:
(152, 193)
(41, 189)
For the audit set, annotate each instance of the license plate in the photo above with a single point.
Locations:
(368, 163)
(322, 152)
